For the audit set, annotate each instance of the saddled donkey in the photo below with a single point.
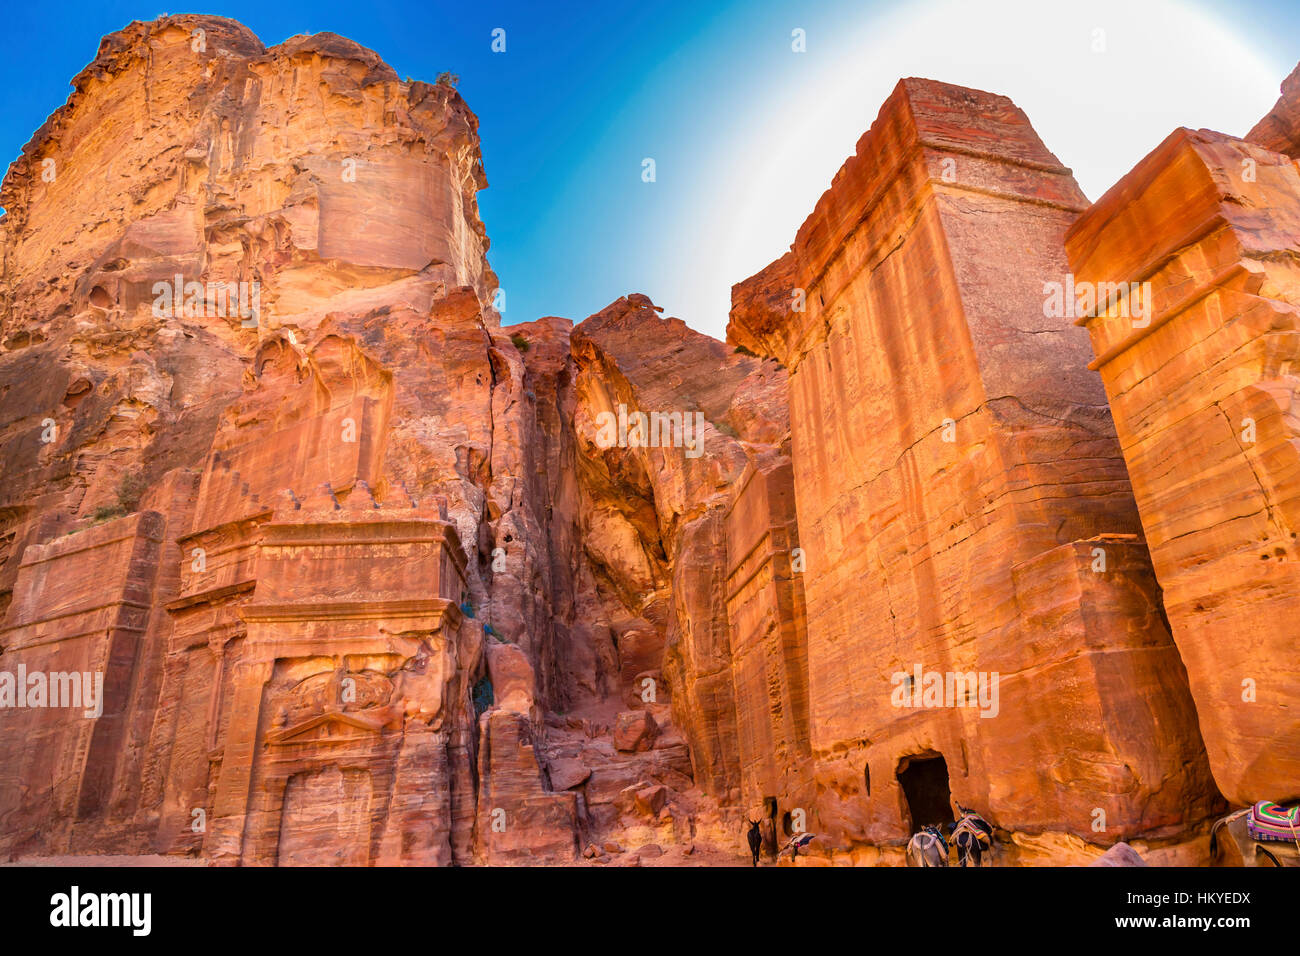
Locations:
(927, 848)
(972, 835)
(1266, 834)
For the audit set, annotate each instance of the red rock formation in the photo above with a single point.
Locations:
(958, 484)
(297, 619)
(370, 580)
(518, 821)
(1280, 129)
(1203, 388)
(654, 516)
(81, 608)
(769, 641)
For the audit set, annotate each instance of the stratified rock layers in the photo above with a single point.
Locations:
(655, 514)
(1203, 386)
(369, 580)
(769, 642)
(962, 502)
(275, 531)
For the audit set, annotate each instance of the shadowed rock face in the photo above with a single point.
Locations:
(655, 517)
(368, 579)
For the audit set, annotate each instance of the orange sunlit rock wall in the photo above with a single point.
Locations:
(367, 581)
(961, 497)
(1203, 389)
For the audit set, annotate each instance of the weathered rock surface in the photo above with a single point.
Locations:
(292, 614)
(355, 568)
(769, 642)
(1280, 129)
(635, 731)
(1203, 386)
(654, 522)
(961, 499)
(370, 580)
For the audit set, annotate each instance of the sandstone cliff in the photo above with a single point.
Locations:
(369, 579)
(961, 497)
(1204, 391)
(271, 463)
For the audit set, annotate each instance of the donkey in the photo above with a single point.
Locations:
(755, 836)
(927, 848)
(972, 835)
(1253, 852)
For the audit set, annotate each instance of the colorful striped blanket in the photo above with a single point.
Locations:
(975, 825)
(1270, 822)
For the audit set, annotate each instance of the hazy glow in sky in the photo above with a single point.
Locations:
(1163, 64)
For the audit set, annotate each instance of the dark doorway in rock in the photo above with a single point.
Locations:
(924, 779)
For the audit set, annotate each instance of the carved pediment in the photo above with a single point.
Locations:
(332, 727)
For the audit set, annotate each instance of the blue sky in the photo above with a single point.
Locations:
(745, 132)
